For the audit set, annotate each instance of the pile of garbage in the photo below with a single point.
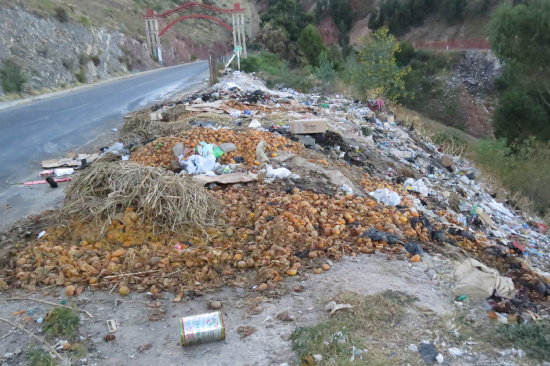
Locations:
(301, 180)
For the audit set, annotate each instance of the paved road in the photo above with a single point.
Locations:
(53, 126)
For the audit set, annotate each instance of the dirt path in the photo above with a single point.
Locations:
(140, 340)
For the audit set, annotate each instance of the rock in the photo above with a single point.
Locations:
(3, 285)
(261, 287)
(154, 260)
(215, 305)
(439, 358)
(83, 361)
(8, 355)
(447, 162)
(227, 147)
(286, 317)
(455, 352)
(178, 150)
(412, 348)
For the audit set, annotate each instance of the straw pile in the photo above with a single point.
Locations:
(158, 196)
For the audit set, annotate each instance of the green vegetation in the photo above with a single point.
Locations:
(427, 91)
(400, 15)
(378, 68)
(533, 338)
(453, 10)
(372, 317)
(38, 357)
(521, 167)
(12, 77)
(311, 44)
(63, 322)
(61, 14)
(520, 36)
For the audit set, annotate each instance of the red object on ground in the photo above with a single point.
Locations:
(44, 182)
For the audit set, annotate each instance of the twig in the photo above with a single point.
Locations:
(131, 274)
(173, 273)
(115, 286)
(45, 302)
(52, 350)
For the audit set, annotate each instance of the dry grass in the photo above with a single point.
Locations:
(168, 200)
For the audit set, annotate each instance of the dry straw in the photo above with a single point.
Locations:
(168, 200)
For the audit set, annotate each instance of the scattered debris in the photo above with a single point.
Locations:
(334, 307)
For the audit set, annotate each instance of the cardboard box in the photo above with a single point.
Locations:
(306, 126)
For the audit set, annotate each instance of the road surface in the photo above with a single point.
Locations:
(52, 126)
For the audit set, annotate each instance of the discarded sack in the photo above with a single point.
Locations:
(478, 281)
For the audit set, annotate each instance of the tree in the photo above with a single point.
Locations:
(453, 10)
(274, 38)
(310, 44)
(377, 65)
(520, 36)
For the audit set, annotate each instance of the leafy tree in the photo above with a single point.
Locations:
(520, 36)
(288, 15)
(453, 10)
(400, 15)
(310, 44)
(274, 38)
(377, 65)
(325, 71)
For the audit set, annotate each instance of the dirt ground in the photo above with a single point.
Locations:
(148, 330)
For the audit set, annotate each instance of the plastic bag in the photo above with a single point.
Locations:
(197, 164)
(204, 149)
(386, 197)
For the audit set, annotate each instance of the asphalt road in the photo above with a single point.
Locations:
(52, 126)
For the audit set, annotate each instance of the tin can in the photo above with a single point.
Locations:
(202, 328)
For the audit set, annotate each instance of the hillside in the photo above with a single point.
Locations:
(56, 44)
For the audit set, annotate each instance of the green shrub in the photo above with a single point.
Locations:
(311, 45)
(81, 75)
(263, 62)
(532, 337)
(61, 14)
(96, 60)
(12, 77)
(85, 21)
(63, 322)
(39, 357)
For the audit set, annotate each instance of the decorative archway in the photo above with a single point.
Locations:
(237, 16)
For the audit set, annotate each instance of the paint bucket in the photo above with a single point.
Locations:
(202, 328)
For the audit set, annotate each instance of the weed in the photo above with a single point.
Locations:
(12, 77)
(367, 131)
(81, 75)
(96, 60)
(68, 63)
(38, 357)
(85, 21)
(344, 334)
(62, 321)
(61, 14)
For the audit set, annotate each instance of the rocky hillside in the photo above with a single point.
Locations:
(56, 44)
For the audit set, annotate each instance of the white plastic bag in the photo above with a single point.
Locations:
(386, 197)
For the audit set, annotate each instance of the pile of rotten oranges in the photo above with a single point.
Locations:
(267, 228)
(159, 152)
